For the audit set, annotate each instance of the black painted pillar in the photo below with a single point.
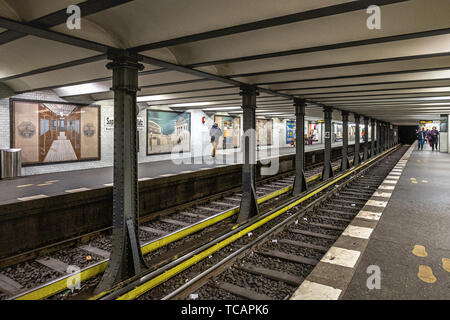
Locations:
(386, 135)
(372, 138)
(327, 169)
(345, 163)
(366, 138)
(357, 158)
(249, 204)
(126, 257)
(379, 137)
(300, 180)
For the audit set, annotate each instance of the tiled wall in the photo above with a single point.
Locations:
(200, 140)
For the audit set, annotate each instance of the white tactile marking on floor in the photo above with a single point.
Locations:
(390, 181)
(397, 174)
(167, 175)
(382, 194)
(145, 179)
(187, 171)
(341, 257)
(357, 232)
(39, 196)
(315, 291)
(369, 215)
(78, 190)
(397, 170)
(392, 177)
(385, 187)
(376, 203)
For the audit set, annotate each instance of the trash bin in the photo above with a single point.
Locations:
(11, 163)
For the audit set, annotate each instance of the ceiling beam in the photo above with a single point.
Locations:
(26, 28)
(366, 84)
(369, 90)
(361, 75)
(350, 44)
(56, 18)
(340, 65)
(60, 66)
(267, 23)
(381, 94)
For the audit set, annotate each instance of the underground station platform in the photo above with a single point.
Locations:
(240, 158)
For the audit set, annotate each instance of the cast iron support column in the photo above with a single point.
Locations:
(366, 139)
(300, 180)
(382, 136)
(357, 158)
(378, 136)
(345, 163)
(327, 169)
(372, 138)
(386, 135)
(249, 204)
(126, 257)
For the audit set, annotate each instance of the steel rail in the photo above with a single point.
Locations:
(147, 282)
(60, 284)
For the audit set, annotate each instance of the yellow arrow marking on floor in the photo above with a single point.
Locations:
(419, 251)
(426, 274)
(446, 264)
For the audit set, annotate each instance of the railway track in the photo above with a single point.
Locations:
(171, 235)
(250, 262)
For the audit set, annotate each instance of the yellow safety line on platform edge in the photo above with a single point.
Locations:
(140, 290)
(90, 272)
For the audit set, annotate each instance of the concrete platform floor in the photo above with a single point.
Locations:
(49, 184)
(411, 243)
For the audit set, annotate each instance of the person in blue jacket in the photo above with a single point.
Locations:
(421, 135)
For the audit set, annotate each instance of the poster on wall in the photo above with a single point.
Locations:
(231, 129)
(55, 132)
(290, 131)
(166, 130)
(264, 132)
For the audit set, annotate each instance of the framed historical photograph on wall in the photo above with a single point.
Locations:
(231, 130)
(264, 128)
(55, 132)
(167, 130)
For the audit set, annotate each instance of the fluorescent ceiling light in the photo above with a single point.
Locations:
(153, 98)
(222, 108)
(193, 104)
(87, 88)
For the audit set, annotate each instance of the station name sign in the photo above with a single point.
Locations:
(109, 123)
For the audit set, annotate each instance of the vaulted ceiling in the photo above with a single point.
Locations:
(198, 52)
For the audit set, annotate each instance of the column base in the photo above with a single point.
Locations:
(327, 171)
(299, 184)
(249, 205)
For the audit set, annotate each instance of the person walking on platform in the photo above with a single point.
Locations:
(421, 136)
(434, 138)
(215, 134)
